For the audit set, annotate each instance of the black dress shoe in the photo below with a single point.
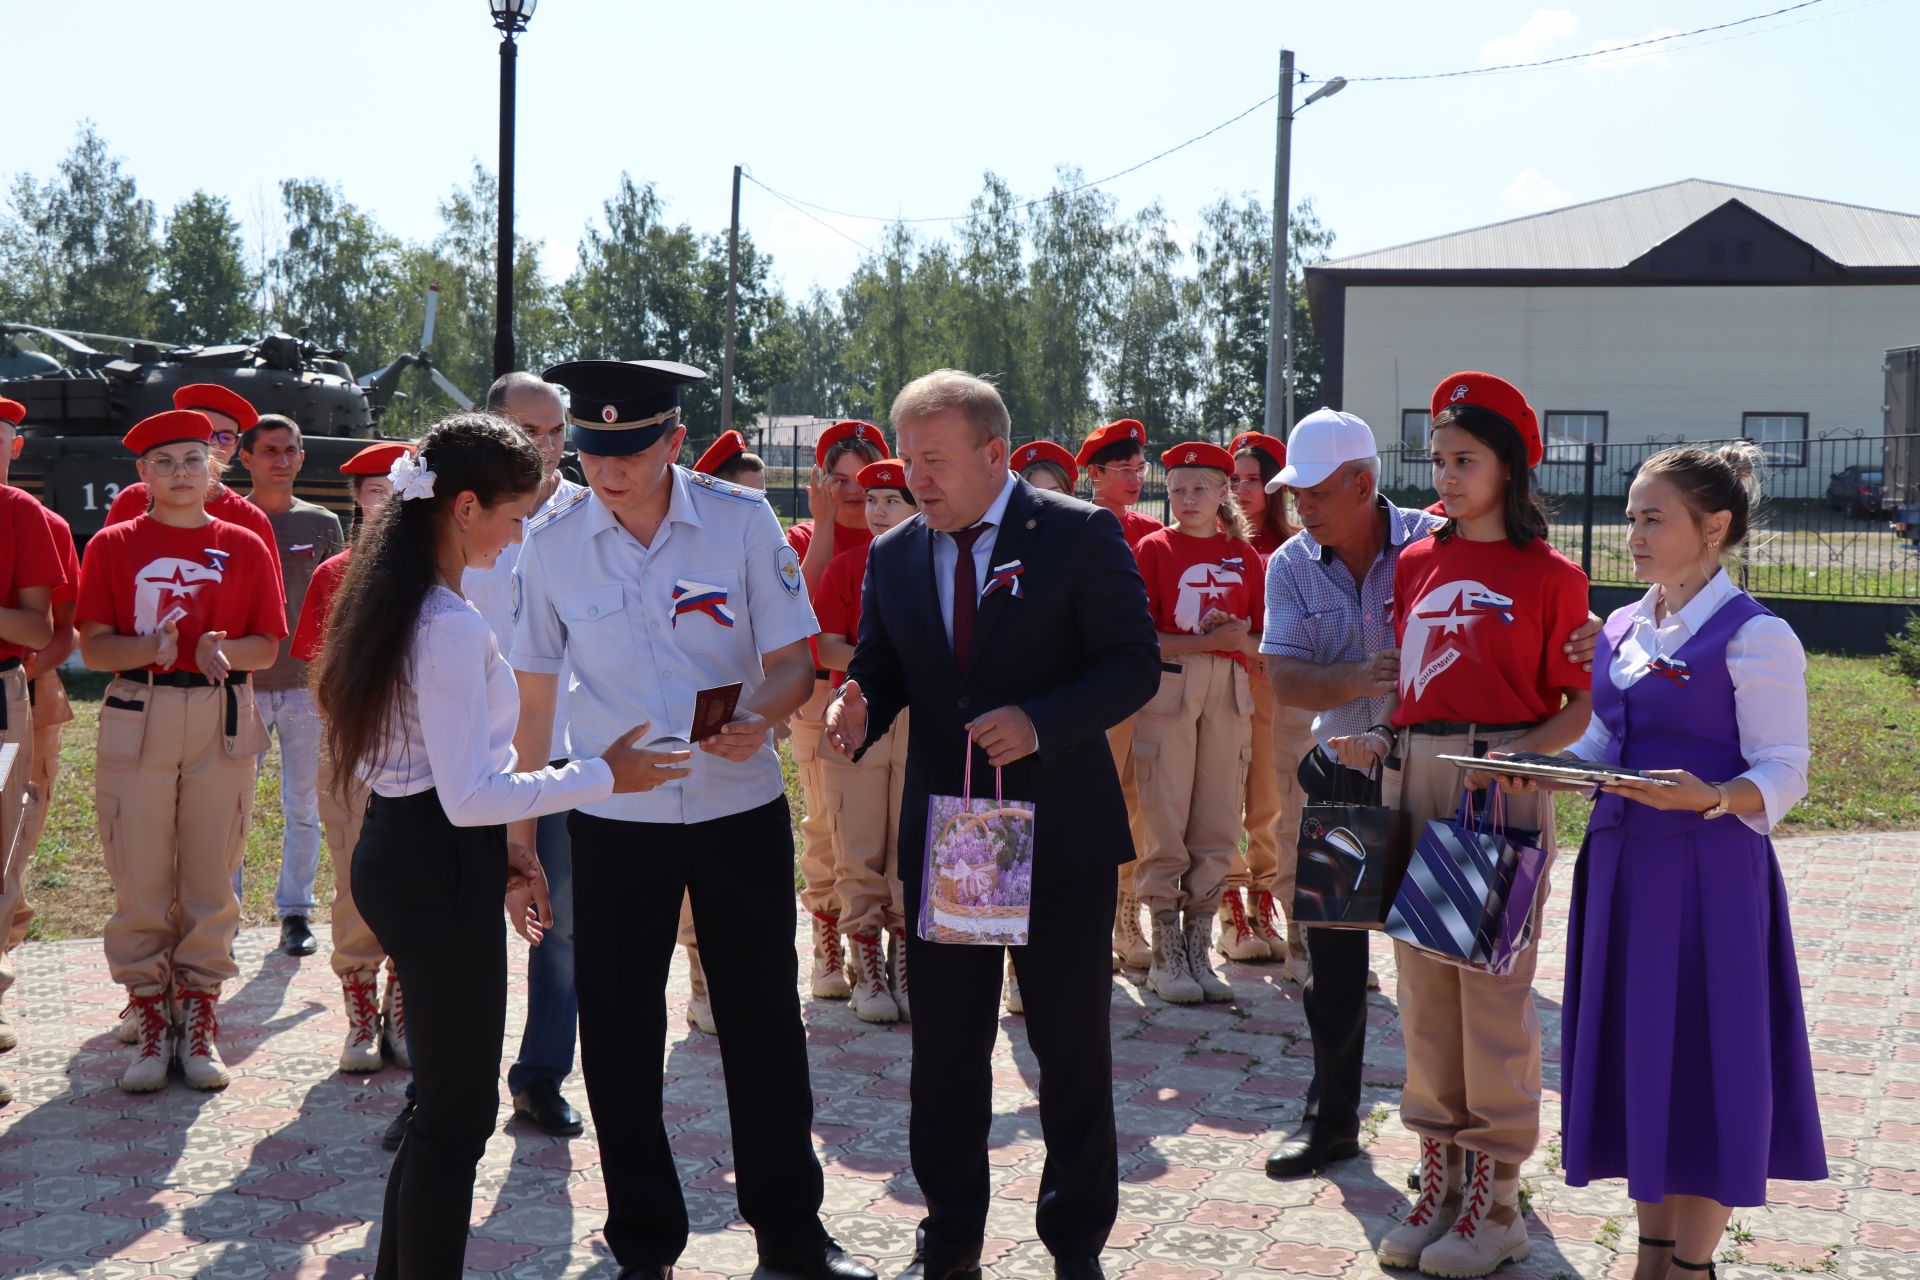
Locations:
(824, 1261)
(1077, 1269)
(541, 1103)
(397, 1128)
(924, 1268)
(1309, 1150)
(295, 938)
(662, 1272)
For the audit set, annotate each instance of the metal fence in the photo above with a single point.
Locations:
(1824, 529)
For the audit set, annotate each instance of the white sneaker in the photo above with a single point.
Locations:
(1433, 1211)
(1171, 975)
(829, 969)
(1238, 940)
(9, 1039)
(1488, 1234)
(699, 1008)
(393, 1024)
(148, 1015)
(1264, 916)
(1129, 944)
(897, 971)
(361, 992)
(1199, 939)
(1012, 992)
(867, 975)
(199, 1026)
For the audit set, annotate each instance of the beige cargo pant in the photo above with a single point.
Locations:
(173, 794)
(355, 949)
(1281, 737)
(1120, 743)
(816, 823)
(864, 799)
(51, 712)
(14, 852)
(1473, 1038)
(1192, 748)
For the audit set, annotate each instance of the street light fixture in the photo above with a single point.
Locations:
(511, 18)
(1326, 90)
(1279, 407)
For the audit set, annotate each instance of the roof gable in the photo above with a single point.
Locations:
(1734, 241)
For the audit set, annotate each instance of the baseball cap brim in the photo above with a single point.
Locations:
(1297, 476)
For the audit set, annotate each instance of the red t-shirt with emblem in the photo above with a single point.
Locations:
(1187, 578)
(837, 605)
(222, 575)
(69, 556)
(311, 629)
(132, 502)
(845, 538)
(1481, 628)
(28, 555)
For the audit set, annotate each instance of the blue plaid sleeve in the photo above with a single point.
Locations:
(1285, 634)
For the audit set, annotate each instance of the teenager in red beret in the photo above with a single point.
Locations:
(727, 458)
(180, 607)
(229, 415)
(837, 504)
(1480, 611)
(1045, 465)
(1193, 744)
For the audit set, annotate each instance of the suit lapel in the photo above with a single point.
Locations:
(1019, 530)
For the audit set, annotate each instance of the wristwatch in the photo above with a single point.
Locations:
(1719, 809)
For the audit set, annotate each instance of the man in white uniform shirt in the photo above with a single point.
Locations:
(546, 1043)
(658, 585)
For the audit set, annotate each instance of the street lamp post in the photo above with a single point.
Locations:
(1279, 407)
(511, 17)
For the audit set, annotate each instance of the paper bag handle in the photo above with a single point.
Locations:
(966, 785)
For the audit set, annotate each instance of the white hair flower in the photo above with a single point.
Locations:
(410, 477)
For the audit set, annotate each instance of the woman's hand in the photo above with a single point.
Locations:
(1688, 793)
(166, 646)
(210, 657)
(1360, 751)
(822, 504)
(639, 769)
(528, 907)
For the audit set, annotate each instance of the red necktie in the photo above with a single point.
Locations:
(966, 592)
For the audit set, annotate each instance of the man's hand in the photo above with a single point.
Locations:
(210, 658)
(1377, 676)
(1579, 645)
(528, 906)
(739, 738)
(846, 720)
(1005, 735)
(1360, 751)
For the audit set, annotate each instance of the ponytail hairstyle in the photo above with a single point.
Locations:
(1714, 480)
(1273, 520)
(364, 658)
(1526, 517)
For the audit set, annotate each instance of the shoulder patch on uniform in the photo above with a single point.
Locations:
(788, 562)
(704, 483)
(563, 509)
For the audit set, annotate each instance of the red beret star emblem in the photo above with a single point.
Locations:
(1459, 393)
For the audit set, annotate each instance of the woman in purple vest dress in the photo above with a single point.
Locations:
(1684, 1059)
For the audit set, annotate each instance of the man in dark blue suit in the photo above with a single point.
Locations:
(1030, 681)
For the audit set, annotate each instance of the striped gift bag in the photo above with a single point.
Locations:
(1468, 894)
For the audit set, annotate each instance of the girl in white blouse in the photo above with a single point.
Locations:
(421, 706)
(1685, 1067)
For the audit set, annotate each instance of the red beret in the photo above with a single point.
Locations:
(1264, 443)
(375, 459)
(729, 446)
(12, 411)
(888, 473)
(171, 427)
(850, 430)
(1496, 396)
(1198, 454)
(1113, 433)
(1046, 451)
(214, 398)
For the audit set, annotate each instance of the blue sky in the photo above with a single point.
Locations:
(897, 108)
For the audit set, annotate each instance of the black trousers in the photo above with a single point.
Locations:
(1066, 984)
(432, 893)
(627, 882)
(1336, 994)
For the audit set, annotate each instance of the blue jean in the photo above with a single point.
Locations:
(291, 714)
(553, 1010)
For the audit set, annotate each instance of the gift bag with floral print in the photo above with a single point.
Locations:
(976, 885)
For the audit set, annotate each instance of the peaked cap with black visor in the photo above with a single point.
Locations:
(622, 407)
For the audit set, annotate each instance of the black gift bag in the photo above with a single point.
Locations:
(1352, 857)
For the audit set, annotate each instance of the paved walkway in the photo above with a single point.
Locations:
(281, 1174)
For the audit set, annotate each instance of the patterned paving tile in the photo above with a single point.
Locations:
(281, 1175)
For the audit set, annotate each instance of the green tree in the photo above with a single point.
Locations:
(1071, 278)
(204, 283)
(991, 320)
(338, 276)
(819, 385)
(1309, 242)
(1150, 367)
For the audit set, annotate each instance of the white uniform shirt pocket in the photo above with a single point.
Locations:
(599, 629)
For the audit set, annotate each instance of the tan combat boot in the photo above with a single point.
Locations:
(829, 969)
(1435, 1207)
(199, 1026)
(361, 992)
(1171, 975)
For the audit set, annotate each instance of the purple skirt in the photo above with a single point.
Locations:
(1684, 1059)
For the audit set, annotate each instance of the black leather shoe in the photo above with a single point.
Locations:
(924, 1268)
(1077, 1269)
(1309, 1150)
(662, 1272)
(396, 1129)
(824, 1261)
(541, 1103)
(295, 938)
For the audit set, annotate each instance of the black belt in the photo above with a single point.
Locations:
(187, 679)
(1174, 667)
(820, 673)
(8, 664)
(1455, 728)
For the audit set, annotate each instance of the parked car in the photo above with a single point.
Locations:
(1856, 491)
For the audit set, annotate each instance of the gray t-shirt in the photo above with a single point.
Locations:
(305, 534)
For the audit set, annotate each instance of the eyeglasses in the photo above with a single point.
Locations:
(164, 465)
(1137, 470)
(224, 437)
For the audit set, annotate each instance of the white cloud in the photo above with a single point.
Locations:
(1532, 191)
(1543, 34)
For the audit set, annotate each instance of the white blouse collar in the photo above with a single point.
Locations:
(1704, 605)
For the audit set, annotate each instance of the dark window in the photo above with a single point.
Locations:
(1570, 431)
(1414, 426)
(1743, 252)
(1782, 437)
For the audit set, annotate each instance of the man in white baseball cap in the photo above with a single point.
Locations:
(1323, 442)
